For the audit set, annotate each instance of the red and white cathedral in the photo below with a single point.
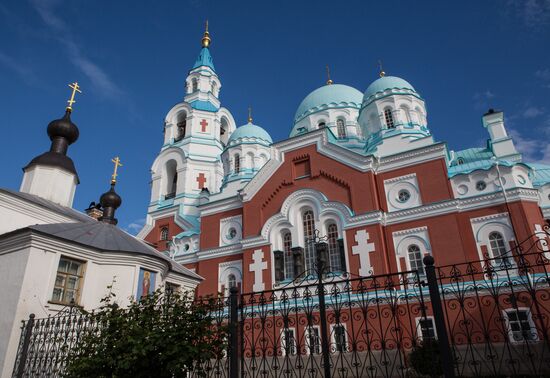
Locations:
(363, 169)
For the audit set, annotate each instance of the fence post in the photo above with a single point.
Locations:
(233, 333)
(25, 347)
(439, 318)
(321, 250)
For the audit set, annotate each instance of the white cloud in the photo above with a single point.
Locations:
(23, 71)
(135, 226)
(544, 75)
(99, 79)
(534, 13)
(533, 150)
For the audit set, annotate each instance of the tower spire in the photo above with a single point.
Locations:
(206, 36)
(329, 80)
(117, 162)
(110, 201)
(381, 72)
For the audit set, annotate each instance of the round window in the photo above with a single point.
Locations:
(232, 233)
(403, 195)
(186, 247)
(521, 180)
(480, 185)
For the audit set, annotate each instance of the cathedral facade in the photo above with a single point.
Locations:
(360, 170)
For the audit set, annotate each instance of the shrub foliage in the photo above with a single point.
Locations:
(159, 335)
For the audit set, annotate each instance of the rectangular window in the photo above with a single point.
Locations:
(426, 328)
(288, 342)
(313, 340)
(170, 288)
(302, 169)
(340, 338)
(68, 281)
(520, 325)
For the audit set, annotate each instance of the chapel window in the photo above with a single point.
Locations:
(520, 325)
(231, 281)
(340, 338)
(341, 129)
(287, 255)
(195, 85)
(333, 250)
(288, 342)
(68, 281)
(164, 233)
(309, 235)
(321, 124)
(415, 259)
(182, 126)
(388, 116)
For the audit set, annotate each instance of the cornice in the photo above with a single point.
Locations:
(488, 218)
(34, 211)
(400, 178)
(410, 231)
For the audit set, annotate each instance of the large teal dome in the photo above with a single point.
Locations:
(387, 82)
(328, 96)
(250, 131)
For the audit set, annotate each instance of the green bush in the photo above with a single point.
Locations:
(154, 337)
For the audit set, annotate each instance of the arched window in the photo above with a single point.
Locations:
(224, 127)
(237, 163)
(171, 179)
(460, 161)
(231, 281)
(498, 249)
(309, 233)
(419, 115)
(341, 128)
(287, 250)
(415, 259)
(164, 233)
(333, 252)
(321, 124)
(388, 116)
(195, 84)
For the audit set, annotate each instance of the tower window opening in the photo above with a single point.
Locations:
(237, 163)
(195, 85)
(460, 161)
(341, 129)
(321, 124)
(388, 116)
(213, 88)
(182, 126)
(309, 234)
(172, 192)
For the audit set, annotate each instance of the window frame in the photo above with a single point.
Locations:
(78, 290)
(307, 334)
(388, 118)
(162, 230)
(419, 333)
(419, 267)
(294, 347)
(529, 319)
(309, 248)
(341, 131)
(333, 337)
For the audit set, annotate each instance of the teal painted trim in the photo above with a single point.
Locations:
(309, 112)
(200, 70)
(204, 106)
(390, 94)
(260, 141)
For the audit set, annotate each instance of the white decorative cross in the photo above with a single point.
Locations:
(543, 240)
(363, 248)
(257, 266)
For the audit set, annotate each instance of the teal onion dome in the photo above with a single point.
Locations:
(327, 97)
(250, 131)
(385, 83)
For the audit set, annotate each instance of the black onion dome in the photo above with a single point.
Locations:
(64, 128)
(110, 199)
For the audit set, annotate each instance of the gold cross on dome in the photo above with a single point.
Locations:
(117, 162)
(381, 70)
(76, 88)
(329, 80)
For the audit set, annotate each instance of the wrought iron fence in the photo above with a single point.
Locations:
(485, 318)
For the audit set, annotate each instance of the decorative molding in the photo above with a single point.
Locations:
(489, 218)
(400, 178)
(410, 231)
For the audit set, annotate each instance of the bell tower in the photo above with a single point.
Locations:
(196, 131)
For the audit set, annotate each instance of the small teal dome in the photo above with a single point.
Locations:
(328, 96)
(387, 82)
(250, 131)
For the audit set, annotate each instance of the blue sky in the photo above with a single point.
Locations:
(131, 59)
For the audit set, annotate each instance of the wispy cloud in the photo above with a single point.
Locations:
(99, 79)
(532, 112)
(19, 68)
(544, 76)
(483, 99)
(533, 150)
(533, 13)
